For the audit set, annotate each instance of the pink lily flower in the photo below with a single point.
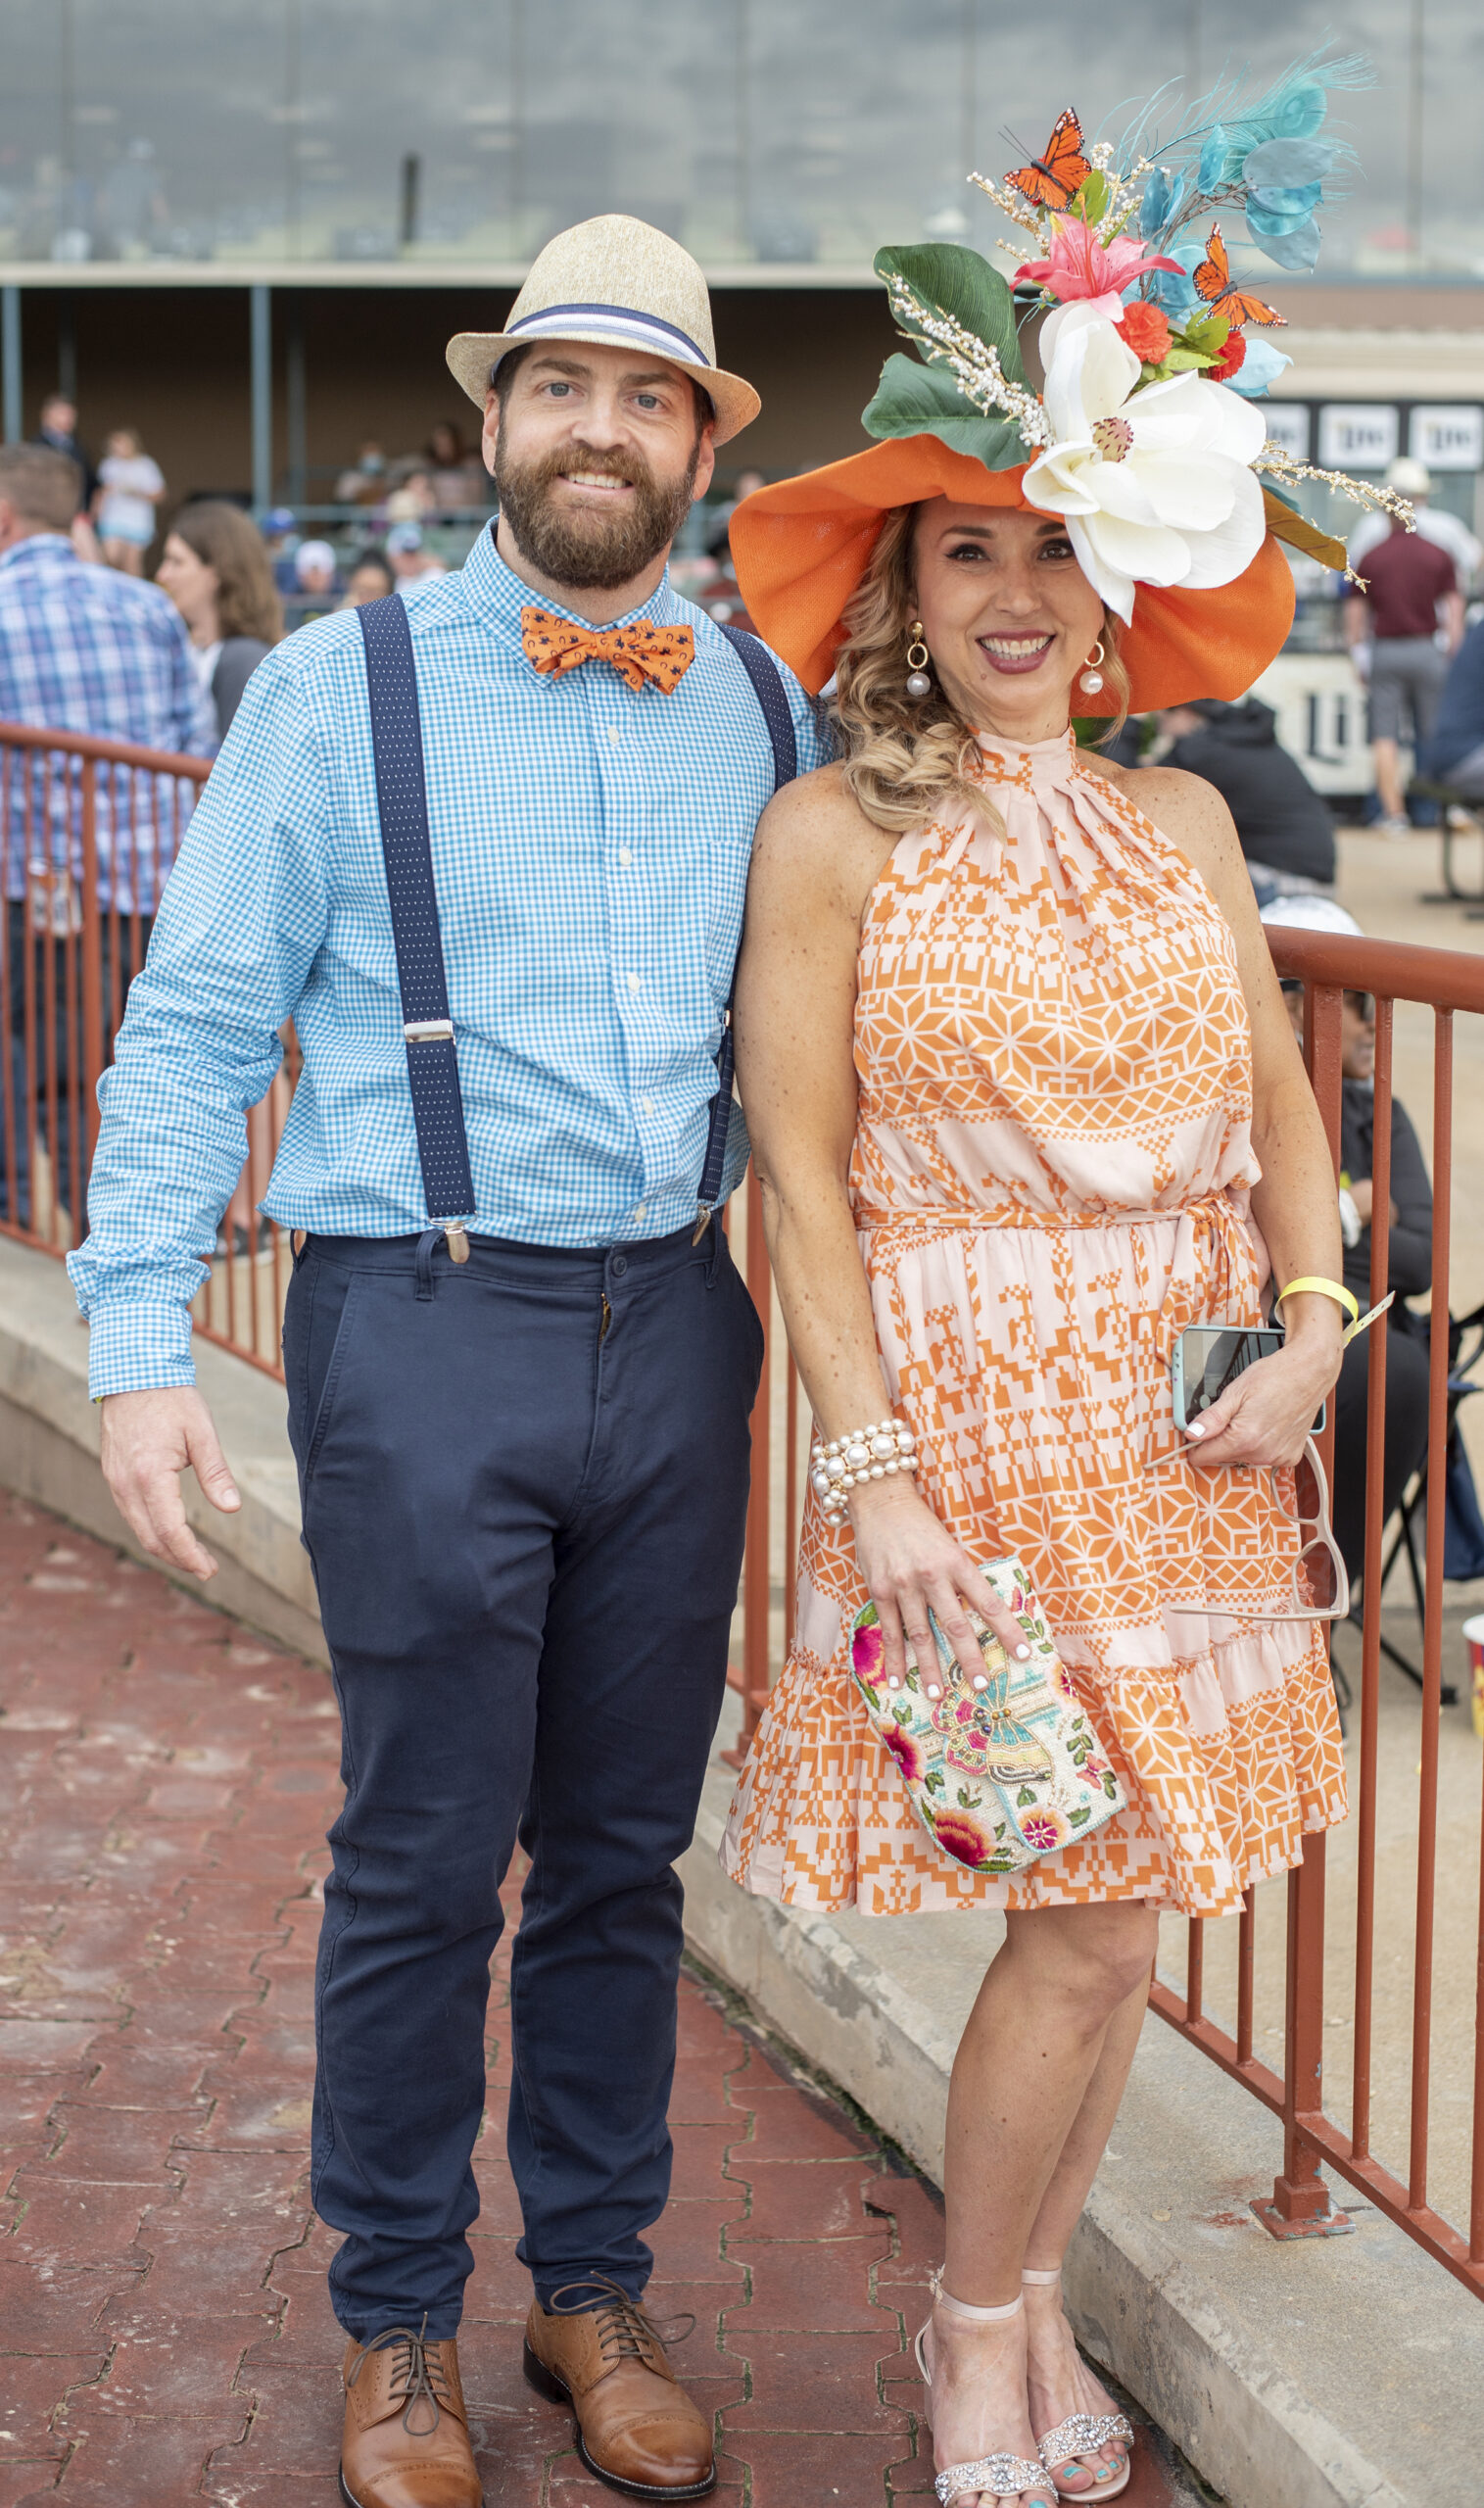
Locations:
(1081, 268)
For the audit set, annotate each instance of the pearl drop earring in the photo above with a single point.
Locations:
(1092, 678)
(918, 682)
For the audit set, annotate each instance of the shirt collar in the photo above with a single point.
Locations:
(497, 595)
(37, 540)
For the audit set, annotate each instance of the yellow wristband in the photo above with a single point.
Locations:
(1321, 1288)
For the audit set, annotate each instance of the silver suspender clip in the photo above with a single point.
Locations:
(427, 1031)
(457, 1239)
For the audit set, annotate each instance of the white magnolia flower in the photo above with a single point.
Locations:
(1156, 486)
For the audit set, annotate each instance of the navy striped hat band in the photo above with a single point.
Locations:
(552, 321)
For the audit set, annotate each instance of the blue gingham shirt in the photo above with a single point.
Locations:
(590, 848)
(83, 648)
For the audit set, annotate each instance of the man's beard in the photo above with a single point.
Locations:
(591, 550)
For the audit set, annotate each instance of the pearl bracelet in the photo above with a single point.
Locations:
(876, 1453)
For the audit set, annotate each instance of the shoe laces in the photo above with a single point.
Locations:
(624, 2332)
(417, 2373)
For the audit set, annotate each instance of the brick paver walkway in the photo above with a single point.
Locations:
(165, 2336)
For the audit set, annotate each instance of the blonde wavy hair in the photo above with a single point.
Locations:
(908, 758)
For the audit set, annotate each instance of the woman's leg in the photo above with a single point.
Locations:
(1021, 2079)
(1059, 2380)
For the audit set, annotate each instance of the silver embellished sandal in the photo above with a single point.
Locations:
(1002, 2476)
(1083, 2434)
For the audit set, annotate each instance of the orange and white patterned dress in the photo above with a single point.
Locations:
(1051, 1176)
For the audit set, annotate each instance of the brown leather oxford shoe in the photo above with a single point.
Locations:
(407, 2438)
(637, 2428)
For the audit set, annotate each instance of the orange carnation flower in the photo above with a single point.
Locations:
(1146, 331)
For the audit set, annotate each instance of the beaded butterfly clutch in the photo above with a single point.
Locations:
(1001, 1765)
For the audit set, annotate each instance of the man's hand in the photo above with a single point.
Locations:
(148, 1440)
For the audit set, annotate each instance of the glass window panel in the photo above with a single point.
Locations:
(759, 130)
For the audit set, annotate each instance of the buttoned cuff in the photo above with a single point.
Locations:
(137, 1347)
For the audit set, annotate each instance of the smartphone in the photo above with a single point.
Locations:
(1208, 1357)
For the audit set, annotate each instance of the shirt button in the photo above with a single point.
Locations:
(648, 1105)
(641, 1213)
(624, 855)
(614, 736)
(636, 983)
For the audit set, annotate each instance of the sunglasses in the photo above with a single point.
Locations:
(1320, 1581)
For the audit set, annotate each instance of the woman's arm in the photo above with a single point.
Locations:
(1268, 1411)
(816, 859)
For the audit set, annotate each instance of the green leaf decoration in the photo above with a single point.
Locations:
(963, 284)
(1182, 362)
(1094, 199)
(1110, 1785)
(1208, 332)
(1082, 1812)
(924, 400)
(870, 1617)
(1026, 1795)
(933, 1782)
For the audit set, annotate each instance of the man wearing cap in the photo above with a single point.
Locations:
(489, 850)
(1401, 631)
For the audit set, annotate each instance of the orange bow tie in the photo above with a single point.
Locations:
(638, 653)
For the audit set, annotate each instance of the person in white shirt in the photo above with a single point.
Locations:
(1413, 479)
(413, 561)
(130, 487)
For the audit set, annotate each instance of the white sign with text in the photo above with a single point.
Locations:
(1448, 438)
(1289, 427)
(1357, 435)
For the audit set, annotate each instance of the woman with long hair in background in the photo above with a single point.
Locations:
(217, 573)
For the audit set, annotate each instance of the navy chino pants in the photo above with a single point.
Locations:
(524, 1484)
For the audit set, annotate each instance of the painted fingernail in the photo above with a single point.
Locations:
(1022, 1654)
(1196, 1430)
(933, 1690)
(894, 1680)
(981, 1681)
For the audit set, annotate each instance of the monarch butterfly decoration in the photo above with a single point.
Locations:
(1053, 181)
(1212, 281)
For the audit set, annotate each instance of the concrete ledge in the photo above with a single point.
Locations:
(1342, 2372)
(49, 1452)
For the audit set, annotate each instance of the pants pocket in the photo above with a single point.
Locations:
(335, 1296)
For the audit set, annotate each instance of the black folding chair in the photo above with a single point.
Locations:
(1433, 789)
(1466, 1348)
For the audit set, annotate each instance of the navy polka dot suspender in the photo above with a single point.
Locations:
(772, 696)
(402, 799)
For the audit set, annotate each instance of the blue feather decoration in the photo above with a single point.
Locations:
(1258, 155)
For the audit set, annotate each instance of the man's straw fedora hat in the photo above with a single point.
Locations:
(619, 284)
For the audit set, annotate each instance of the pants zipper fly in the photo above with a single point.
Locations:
(607, 1318)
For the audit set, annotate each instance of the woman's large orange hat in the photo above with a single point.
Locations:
(802, 547)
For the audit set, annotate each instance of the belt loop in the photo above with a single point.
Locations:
(425, 1245)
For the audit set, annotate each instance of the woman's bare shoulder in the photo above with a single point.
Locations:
(814, 839)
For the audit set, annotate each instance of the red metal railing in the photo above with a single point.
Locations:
(1444, 982)
(80, 978)
(89, 830)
